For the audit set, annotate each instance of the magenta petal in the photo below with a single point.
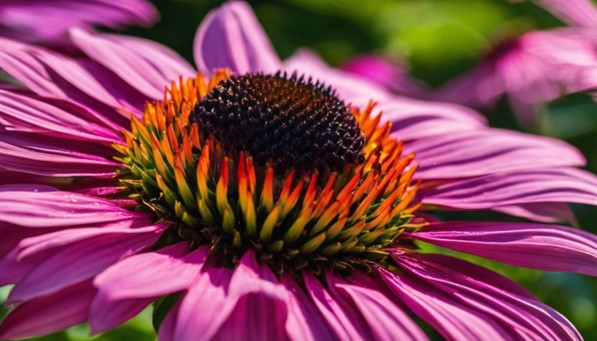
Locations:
(580, 13)
(386, 320)
(44, 206)
(259, 301)
(128, 286)
(26, 112)
(304, 320)
(543, 212)
(565, 185)
(387, 73)
(152, 274)
(143, 64)
(544, 247)
(208, 294)
(489, 151)
(491, 293)
(343, 320)
(20, 19)
(256, 316)
(231, 37)
(82, 260)
(57, 157)
(223, 298)
(442, 312)
(48, 314)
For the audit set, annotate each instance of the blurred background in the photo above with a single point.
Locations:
(436, 40)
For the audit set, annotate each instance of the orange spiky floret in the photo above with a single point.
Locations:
(233, 204)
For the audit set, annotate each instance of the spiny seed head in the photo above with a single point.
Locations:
(210, 196)
(289, 121)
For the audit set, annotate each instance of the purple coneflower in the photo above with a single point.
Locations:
(255, 202)
(43, 21)
(532, 69)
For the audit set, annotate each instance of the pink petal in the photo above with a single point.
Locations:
(208, 294)
(490, 293)
(255, 317)
(489, 151)
(48, 156)
(304, 320)
(21, 18)
(542, 212)
(576, 12)
(12, 235)
(453, 320)
(226, 301)
(48, 314)
(259, 301)
(387, 73)
(386, 320)
(44, 206)
(544, 247)
(346, 323)
(26, 112)
(565, 185)
(80, 260)
(143, 64)
(231, 37)
(129, 285)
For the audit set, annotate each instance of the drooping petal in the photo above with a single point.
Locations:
(129, 285)
(545, 212)
(304, 320)
(82, 81)
(539, 246)
(25, 112)
(208, 294)
(453, 320)
(49, 156)
(343, 319)
(259, 301)
(231, 37)
(41, 206)
(488, 151)
(386, 320)
(48, 314)
(491, 293)
(247, 304)
(21, 18)
(57, 267)
(564, 185)
(143, 64)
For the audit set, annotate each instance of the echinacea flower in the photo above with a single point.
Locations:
(531, 70)
(265, 200)
(44, 21)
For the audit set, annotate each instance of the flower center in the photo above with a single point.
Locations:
(321, 186)
(285, 120)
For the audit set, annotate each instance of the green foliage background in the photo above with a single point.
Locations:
(439, 39)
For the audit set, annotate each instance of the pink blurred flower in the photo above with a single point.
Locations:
(579, 13)
(533, 69)
(77, 248)
(48, 21)
(389, 74)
